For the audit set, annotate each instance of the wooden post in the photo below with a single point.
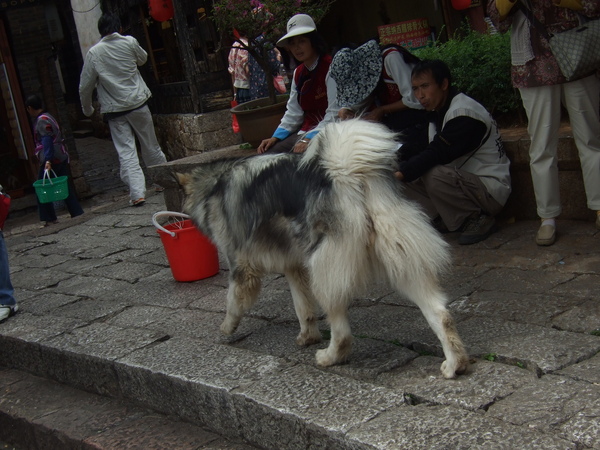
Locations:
(149, 44)
(187, 54)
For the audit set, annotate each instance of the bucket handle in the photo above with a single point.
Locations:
(167, 213)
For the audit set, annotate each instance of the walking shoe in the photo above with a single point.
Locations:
(7, 310)
(546, 235)
(477, 228)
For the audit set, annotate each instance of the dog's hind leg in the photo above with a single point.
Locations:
(244, 286)
(306, 307)
(428, 296)
(340, 344)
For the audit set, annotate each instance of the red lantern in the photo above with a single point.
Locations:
(161, 10)
(461, 4)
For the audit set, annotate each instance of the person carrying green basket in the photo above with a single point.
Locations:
(53, 156)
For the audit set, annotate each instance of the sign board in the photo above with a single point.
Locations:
(5, 4)
(410, 34)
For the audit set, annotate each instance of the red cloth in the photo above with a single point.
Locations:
(4, 207)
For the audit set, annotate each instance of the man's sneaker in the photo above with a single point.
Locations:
(477, 228)
(7, 310)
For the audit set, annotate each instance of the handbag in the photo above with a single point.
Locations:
(577, 51)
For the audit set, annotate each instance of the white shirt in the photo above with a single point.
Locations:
(112, 66)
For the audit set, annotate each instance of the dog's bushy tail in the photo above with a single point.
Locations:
(353, 148)
(383, 233)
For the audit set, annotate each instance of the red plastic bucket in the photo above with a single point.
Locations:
(192, 256)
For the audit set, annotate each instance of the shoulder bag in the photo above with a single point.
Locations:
(577, 50)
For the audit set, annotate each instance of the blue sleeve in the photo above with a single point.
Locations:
(48, 144)
(281, 133)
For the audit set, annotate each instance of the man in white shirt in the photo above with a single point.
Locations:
(111, 66)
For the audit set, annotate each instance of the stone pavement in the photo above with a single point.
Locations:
(102, 315)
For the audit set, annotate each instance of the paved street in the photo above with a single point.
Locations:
(101, 312)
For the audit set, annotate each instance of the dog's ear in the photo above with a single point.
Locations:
(184, 180)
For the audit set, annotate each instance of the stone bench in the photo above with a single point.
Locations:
(520, 205)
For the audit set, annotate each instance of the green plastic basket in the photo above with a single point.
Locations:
(51, 189)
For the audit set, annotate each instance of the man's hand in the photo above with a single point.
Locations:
(301, 145)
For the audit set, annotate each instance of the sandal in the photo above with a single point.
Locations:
(138, 202)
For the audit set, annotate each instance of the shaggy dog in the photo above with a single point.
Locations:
(332, 221)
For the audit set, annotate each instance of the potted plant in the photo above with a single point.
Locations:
(262, 23)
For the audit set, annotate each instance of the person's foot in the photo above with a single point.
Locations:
(478, 227)
(7, 310)
(158, 188)
(50, 222)
(138, 202)
(546, 235)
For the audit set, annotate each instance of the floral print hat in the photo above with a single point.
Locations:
(356, 73)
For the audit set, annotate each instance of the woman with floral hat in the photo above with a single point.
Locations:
(375, 83)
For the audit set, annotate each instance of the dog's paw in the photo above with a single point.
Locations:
(324, 359)
(228, 327)
(450, 371)
(305, 339)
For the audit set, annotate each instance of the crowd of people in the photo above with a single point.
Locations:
(450, 157)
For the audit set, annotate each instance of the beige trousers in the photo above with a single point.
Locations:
(581, 99)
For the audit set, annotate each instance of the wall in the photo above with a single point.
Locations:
(182, 135)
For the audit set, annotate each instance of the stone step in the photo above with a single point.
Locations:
(83, 133)
(260, 399)
(36, 413)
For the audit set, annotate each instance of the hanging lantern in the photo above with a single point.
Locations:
(161, 10)
(461, 4)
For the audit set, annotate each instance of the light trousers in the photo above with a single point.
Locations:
(581, 99)
(124, 130)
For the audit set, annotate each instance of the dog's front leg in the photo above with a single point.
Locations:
(244, 287)
(340, 344)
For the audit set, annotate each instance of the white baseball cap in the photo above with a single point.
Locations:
(297, 25)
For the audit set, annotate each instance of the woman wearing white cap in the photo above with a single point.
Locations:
(308, 104)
